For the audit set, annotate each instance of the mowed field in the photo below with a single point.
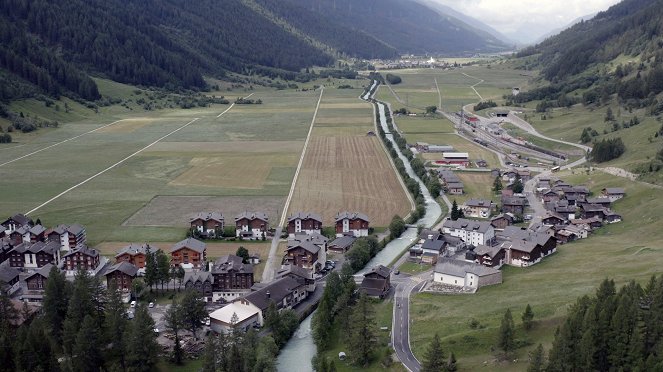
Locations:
(153, 171)
(344, 168)
(630, 250)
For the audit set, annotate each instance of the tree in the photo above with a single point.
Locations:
(362, 333)
(266, 355)
(151, 268)
(322, 322)
(537, 360)
(8, 313)
(518, 186)
(163, 267)
(87, 350)
(431, 109)
(244, 253)
(396, 227)
(34, 348)
(452, 365)
(115, 326)
(609, 116)
(138, 287)
(142, 347)
(506, 336)
(173, 321)
(80, 304)
(210, 359)
(497, 184)
(56, 301)
(192, 311)
(434, 360)
(528, 318)
(456, 212)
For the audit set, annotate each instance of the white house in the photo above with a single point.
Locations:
(304, 223)
(252, 225)
(241, 313)
(465, 274)
(613, 193)
(472, 232)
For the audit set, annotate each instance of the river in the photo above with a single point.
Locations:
(297, 353)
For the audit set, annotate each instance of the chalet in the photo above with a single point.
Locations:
(514, 205)
(541, 228)
(509, 175)
(302, 276)
(252, 225)
(431, 250)
(201, 281)
(564, 236)
(553, 219)
(550, 196)
(5, 248)
(342, 244)
(351, 223)
(522, 253)
(501, 221)
(467, 275)
(490, 256)
(305, 254)
(28, 234)
(376, 283)
(304, 222)
(613, 193)
(447, 176)
(37, 280)
(207, 224)
(580, 231)
(189, 253)
(134, 254)
(524, 175)
(544, 239)
(564, 208)
(612, 217)
(604, 202)
(472, 232)
(8, 275)
(478, 208)
(495, 172)
(455, 188)
(81, 258)
(69, 236)
(249, 310)
(592, 210)
(121, 274)
(593, 223)
(26, 255)
(231, 277)
(17, 221)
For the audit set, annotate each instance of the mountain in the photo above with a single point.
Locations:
(472, 22)
(556, 31)
(406, 25)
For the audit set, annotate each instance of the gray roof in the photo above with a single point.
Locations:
(124, 267)
(514, 233)
(433, 245)
(614, 190)
(483, 250)
(592, 207)
(455, 185)
(46, 247)
(514, 201)
(43, 271)
(314, 238)
(468, 225)
(198, 276)
(228, 263)
(598, 200)
(306, 245)
(581, 189)
(294, 270)
(134, 249)
(520, 245)
(76, 229)
(7, 273)
(478, 203)
(372, 286)
(252, 216)
(190, 243)
(206, 216)
(305, 216)
(459, 268)
(381, 270)
(351, 216)
(274, 291)
(343, 242)
(21, 219)
(37, 229)
(85, 250)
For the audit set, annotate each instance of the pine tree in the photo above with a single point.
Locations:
(434, 360)
(362, 331)
(80, 304)
(142, 347)
(528, 318)
(151, 268)
(173, 321)
(506, 336)
(192, 311)
(322, 322)
(537, 361)
(87, 350)
(56, 302)
(244, 253)
(518, 186)
(210, 361)
(163, 267)
(266, 355)
(115, 325)
(455, 212)
(497, 184)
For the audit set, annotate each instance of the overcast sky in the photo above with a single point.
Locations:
(527, 20)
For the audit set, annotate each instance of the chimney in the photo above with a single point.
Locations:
(268, 294)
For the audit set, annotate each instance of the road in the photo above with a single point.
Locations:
(400, 333)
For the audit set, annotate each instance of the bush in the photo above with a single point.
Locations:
(393, 79)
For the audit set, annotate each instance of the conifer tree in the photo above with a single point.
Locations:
(56, 302)
(151, 268)
(173, 321)
(87, 349)
(80, 305)
(537, 362)
(506, 336)
(434, 360)
(362, 331)
(528, 318)
(455, 212)
(192, 311)
(115, 325)
(142, 347)
(497, 184)
(210, 360)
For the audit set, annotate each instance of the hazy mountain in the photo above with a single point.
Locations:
(570, 24)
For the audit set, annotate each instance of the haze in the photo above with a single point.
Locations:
(525, 21)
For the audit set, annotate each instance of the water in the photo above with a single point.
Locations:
(297, 353)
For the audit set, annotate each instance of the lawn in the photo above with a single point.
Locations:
(623, 251)
(414, 268)
(476, 186)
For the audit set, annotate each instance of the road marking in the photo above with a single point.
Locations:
(61, 142)
(231, 106)
(472, 86)
(109, 168)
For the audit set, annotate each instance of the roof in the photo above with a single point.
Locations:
(275, 291)
(614, 190)
(7, 273)
(381, 270)
(84, 249)
(314, 238)
(343, 242)
(500, 216)
(206, 216)
(554, 215)
(198, 276)
(455, 155)
(478, 203)
(592, 207)
(598, 200)
(75, 229)
(514, 201)
(373, 286)
(455, 185)
(520, 245)
(433, 245)
(483, 250)
(305, 216)
(134, 249)
(45, 247)
(459, 268)
(228, 263)
(351, 216)
(43, 271)
(226, 313)
(190, 243)
(294, 270)
(514, 233)
(124, 267)
(252, 216)
(37, 230)
(468, 225)
(306, 245)
(21, 219)
(61, 229)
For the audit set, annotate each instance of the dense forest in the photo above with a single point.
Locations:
(615, 330)
(617, 52)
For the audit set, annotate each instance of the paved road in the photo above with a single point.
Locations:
(401, 322)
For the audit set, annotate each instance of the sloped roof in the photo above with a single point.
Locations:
(305, 216)
(252, 216)
(206, 216)
(275, 291)
(134, 249)
(614, 190)
(7, 273)
(433, 245)
(306, 245)
(351, 216)
(124, 267)
(46, 247)
(21, 219)
(483, 250)
(520, 245)
(198, 276)
(483, 203)
(37, 229)
(84, 249)
(228, 263)
(314, 238)
(343, 242)
(372, 286)
(468, 225)
(381, 270)
(190, 243)
(450, 266)
(294, 270)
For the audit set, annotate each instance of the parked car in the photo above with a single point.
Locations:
(151, 305)
(133, 304)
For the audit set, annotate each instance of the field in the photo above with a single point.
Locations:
(344, 168)
(624, 251)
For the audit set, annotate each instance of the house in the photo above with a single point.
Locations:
(613, 193)
(501, 221)
(305, 254)
(252, 225)
(189, 253)
(351, 223)
(431, 250)
(478, 208)
(455, 188)
(26, 255)
(36, 234)
(121, 274)
(490, 256)
(495, 172)
(593, 223)
(20, 235)
(231, 278)
(302, 276)
(249, 310)
(37, 280)
(509, 176)
(612, 217)
(15, 222)
(69, 236)
(5, 248)
(550, 196)
(81, 258)
(134, 254)
(514, 205)
(545, 240)
(304, 222)
(580, 231)
(472, 232)
(8, 275)
(467, 275)
(604, 202)
(376, 283)
(201, 281)
(208, 224)
(553, 219)
(460, 159)
(524, 175)
(342, 244)
(592, 210)
(522, 253)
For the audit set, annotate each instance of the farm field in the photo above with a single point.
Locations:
(346, 169)
(623, 251)
(244, 159)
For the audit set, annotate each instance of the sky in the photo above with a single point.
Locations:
(527, 20)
